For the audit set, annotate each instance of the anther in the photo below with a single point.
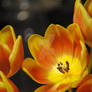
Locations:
(60, 69)
(67, 68)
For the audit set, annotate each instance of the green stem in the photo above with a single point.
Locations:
(90, 61)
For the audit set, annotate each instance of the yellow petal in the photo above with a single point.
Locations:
(34, 70)
(59, 39)
(52, 88)
(6, 85)
(76, 32)
(17, 56)
(4, 58)
(88, 6)
(84, 20)
(39, 48)
(7, 36)
(85, 85)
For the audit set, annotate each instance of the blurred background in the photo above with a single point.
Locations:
(29, 17)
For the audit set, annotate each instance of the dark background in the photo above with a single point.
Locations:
(29, 17)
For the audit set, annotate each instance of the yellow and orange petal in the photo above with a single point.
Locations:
(85, 85)
(52, 88)
(56, 42)
(7, 36)
(59, 39)
(39, 48)
(11, 51)
(76, 36)
(84, 20)
(7, 85)
(79, 48)
(88, 6)
(76, 33)
(16, 57)
(34, 70)
(4, 61)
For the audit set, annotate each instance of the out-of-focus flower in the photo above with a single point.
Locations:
(11, 52)
(83, 17)
(6, 85)
(60, 58)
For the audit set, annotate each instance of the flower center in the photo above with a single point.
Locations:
(62, 68)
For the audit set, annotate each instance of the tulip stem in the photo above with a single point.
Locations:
(69, 90)
(90, 61)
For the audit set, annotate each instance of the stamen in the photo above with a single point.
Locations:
(58, 64)
(61, 67)
(67, 68)
(61, 63)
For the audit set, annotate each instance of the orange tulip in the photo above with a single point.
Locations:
(83, 17)
(11, 52)
(60, 58)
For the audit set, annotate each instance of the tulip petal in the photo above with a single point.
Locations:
(39, 48)
(80, 50)
(89, 77)
(77, 36)
(52, 88)
(83, 19)
(4, 61)
(35, 71)
(82, 60)
(85, 85)
(17, 56)
(7, 85)
(84, 55)
(60, 39)
(88, 6)
(75, 31)
(7, 36)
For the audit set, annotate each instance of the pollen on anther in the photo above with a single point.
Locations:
(67, 66)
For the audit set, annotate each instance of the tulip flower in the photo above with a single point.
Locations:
(11, 52)
(60, 58)
(83, 17)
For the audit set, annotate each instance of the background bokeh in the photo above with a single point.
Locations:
(29, 17)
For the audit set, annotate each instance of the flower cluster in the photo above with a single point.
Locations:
(60, 58)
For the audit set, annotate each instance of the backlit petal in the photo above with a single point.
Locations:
(77, 36)
(88, 6)
(76, 33)
(83, 19)
(81, 63)
(80, 50)
(34, 70)
(89, 77)
(39, 48)
(60, 39)
(86, 85)
(4, 61)
(84, 55)
(17, 56)
(7, 36)
(51, 88)
(7, 85)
